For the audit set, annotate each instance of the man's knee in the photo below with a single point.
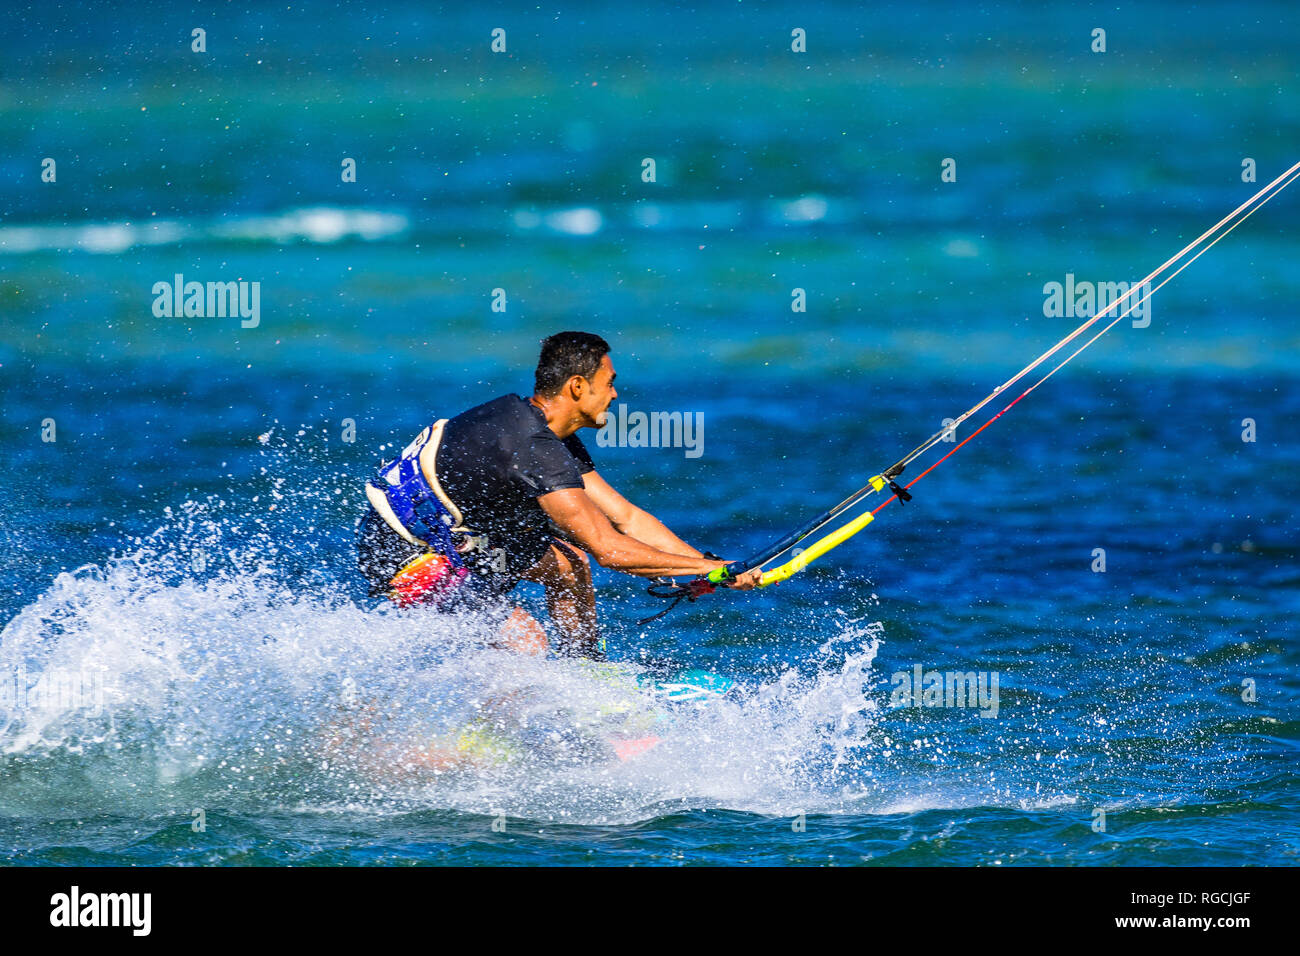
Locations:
(522, 633)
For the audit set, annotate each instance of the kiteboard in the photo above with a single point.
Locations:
(631, 716)
(617, 713)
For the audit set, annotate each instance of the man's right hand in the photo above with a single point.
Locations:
(744, 582)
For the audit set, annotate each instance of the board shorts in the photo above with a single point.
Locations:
(411, 575)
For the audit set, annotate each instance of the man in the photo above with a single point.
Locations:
(507, 492)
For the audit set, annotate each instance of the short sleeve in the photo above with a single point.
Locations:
(579, 451)
(547, 465)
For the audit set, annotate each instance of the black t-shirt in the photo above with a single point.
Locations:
(494, 461)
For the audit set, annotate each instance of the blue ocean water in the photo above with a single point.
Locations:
(182, 548)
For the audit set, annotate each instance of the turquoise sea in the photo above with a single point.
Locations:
(181, 625)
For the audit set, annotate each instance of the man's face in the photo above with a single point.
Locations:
(597, 399)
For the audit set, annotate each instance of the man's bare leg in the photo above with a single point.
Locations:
(570, 597)
(522, 633)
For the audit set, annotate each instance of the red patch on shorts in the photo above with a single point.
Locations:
(424, 578)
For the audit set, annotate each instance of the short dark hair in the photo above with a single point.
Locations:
(564, 355)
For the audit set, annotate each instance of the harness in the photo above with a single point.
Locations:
(415, 507)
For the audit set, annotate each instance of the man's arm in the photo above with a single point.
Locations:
(578, 517)
(633, 521)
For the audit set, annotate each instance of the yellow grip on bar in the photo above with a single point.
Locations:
(817, 549)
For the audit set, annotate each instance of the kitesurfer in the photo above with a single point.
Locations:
(507, 492)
